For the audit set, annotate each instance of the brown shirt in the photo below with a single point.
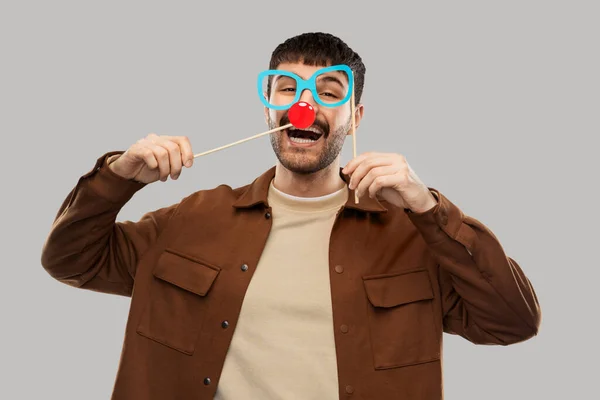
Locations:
(398, 281)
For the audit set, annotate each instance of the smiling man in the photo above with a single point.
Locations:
(285, 288)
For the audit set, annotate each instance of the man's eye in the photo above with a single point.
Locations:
(328, 94)
(291, 89)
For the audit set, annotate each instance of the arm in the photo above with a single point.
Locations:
(86, 247)
(486, 297)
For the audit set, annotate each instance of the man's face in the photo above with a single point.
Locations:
(334, 123)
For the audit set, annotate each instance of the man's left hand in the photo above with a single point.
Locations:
(390, 176)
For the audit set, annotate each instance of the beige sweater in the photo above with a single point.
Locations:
(283, 346)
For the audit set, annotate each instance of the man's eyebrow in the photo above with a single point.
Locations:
(281, 76)
(331, 78)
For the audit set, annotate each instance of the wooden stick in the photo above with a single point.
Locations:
(243, 140)
(352, 110)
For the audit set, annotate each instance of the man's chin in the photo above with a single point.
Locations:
(300, 168)
(300, 165)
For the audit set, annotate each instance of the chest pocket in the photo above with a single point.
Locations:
(401, 319)
(178, 300)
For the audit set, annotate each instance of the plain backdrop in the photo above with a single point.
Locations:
(496, 104)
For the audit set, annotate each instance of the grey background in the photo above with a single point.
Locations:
(493, 103)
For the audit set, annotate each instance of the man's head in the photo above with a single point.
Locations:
(304, 55)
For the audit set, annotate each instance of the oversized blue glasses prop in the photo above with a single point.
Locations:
(299, 85)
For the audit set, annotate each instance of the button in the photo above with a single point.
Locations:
(267, 215)
(207, 381)
(244, 267)
(339, 269)
(349, 389)
(344, 328)
(225, 324)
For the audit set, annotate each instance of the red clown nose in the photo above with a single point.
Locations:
(301, 115)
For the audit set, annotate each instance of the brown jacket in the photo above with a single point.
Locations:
(398, 281)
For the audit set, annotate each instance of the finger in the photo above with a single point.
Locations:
(162, 156)
(185, 147)
(147, 155)
(152, 137)
(356, 161)
(375, 174)
(381, 182)
(174, 156)
(362, 169)
(352, 164)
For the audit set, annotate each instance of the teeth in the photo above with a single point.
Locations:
(310, 129)
(298, 140)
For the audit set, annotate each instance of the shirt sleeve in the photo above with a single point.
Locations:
(86, 247)
(486, 297)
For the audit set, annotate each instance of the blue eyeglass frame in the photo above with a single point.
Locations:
(303, 84)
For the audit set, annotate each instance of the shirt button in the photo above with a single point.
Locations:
(349, 389)
(267, 215)
(344, 328)
(207, 381)
(339, 269)
(244, 267)
(225, 324)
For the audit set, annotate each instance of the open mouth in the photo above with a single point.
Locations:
(304, 136)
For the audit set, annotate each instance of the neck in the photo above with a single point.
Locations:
(320, 183)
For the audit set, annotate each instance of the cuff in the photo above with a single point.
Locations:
(108, 185)
(441, 221)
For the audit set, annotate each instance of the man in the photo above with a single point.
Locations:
(286, 288)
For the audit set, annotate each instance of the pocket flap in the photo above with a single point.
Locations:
(185, 272)
(391, 290)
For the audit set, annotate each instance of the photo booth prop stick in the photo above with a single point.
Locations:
(301, 114)
(352, 111)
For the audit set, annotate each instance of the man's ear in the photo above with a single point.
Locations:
(266, 110)
(267, 115)
(359, 111)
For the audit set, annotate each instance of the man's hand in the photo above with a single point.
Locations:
(154, 157)
(390, 176)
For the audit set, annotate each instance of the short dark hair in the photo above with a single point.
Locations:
(319, 48)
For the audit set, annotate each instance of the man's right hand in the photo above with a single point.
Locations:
(154, 157)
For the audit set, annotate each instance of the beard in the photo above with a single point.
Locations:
(303, 161)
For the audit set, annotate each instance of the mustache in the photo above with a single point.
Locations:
(323, 126)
